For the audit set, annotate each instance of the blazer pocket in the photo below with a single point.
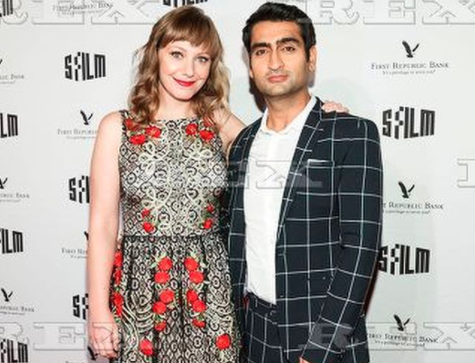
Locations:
(319, 163)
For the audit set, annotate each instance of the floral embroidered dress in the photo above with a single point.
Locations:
(171, 292)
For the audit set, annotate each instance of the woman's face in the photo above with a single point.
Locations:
(183, 70)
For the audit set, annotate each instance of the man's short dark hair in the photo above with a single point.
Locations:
(281, 12)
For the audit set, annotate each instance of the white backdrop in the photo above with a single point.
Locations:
(422, 306)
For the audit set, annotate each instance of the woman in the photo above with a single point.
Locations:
(163, 162)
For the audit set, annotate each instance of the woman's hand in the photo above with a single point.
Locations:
(331, 106)
(104, 334)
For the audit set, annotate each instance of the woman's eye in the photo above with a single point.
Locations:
(203, 59)
(176, 55)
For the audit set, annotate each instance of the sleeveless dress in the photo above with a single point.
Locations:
(171, 287)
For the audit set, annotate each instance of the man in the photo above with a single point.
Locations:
(305, 204)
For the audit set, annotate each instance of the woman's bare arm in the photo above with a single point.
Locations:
(103, 230)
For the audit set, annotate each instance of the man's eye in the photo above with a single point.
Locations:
(176, 55)
(289, 48)
(259, 52)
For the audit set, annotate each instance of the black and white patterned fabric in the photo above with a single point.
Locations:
(170, 183)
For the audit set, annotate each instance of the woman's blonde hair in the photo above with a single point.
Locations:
(190, 24)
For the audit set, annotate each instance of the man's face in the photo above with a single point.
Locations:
(278, 63)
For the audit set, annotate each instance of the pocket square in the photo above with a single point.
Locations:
(320, 162)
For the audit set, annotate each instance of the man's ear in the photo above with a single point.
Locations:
(312, 59)
(251, 73)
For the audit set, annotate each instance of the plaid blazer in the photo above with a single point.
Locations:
(328, 236)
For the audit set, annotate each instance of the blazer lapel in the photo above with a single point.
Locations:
(237, 197)
(301, 154)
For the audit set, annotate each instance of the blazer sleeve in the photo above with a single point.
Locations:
(360, 202)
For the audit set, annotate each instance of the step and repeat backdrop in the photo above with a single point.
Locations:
(408, 65)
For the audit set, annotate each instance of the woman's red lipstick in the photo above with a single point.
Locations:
(184, 83)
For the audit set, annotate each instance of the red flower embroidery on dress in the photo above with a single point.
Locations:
(191, 129)
(197, 277)
(117, 276)
(206, 135)
(118, 259)
(153, 131)
(162, 277)
(138, 139)
(160, 326)
(191, 296)
(131, 125)
(159, 307)
(191, 264)
(199, 306)
(210, 208)
(146, 347)
(148, 223)
(165, 264)
(167, 296)
(118, 301)
(148, 227)
(198, 323)
(139, 133)
(145, 213)
(223, 341)
(208, 223)
(208, 215)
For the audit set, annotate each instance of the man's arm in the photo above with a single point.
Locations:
(360, 203)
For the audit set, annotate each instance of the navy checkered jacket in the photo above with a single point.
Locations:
(328, 236)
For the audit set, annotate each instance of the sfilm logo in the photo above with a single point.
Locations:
(404, 260)
(80, 306)
(13, 352)
(402, 123)
(177, 3)
(84, 66)
(11, 241)
(7, 8)
(8, 125)
(79, 189)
